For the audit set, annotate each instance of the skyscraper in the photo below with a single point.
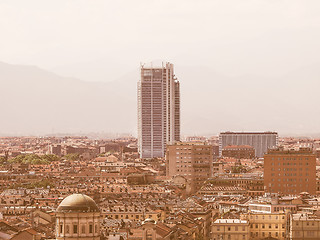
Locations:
(158, 110)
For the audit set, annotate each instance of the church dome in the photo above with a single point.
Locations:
(78, 203)
(149, 220)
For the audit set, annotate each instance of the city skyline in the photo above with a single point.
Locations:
(214, 135)
(246, 72)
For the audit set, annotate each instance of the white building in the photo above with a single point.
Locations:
(261, 141)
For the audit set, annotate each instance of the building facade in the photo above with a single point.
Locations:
(268, 225)
(290, 171)
(158, 110)
(78, 217)
(239, 151)
(191, 160)
(304, 227)
(233, 229)
(261, 141)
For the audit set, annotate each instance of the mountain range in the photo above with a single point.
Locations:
(35, 101)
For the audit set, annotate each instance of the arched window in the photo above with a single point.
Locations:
(83, 229)
(67, 229)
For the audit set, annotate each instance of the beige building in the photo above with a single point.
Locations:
(267, 225)
(304, 227)
(191, 160)
(230, 229)
(78, 217)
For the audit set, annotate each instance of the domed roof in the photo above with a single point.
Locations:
(149, 220)
(78, 203)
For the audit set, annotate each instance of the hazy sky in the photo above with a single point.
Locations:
(233, 37)
(250, 64)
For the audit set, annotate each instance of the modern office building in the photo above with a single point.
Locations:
(261, 141)
(158, 110)
(290, 171)
(191, 160)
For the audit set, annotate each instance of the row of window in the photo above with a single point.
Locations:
(75, 229)
(269, 225)
(236, 228)
(290, 158)
(219, 237)
(290, 169)
(293, 164)
(269, 217)
(276, 234)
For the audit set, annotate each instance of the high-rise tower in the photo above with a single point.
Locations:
(158, 110)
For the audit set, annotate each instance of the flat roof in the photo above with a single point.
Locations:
(249, 133)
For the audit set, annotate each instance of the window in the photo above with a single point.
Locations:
(83, 229)
(61, 228)
(67, 229)
(96, 228)
(75, 228)
(90, 228)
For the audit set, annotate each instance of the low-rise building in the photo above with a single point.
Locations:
(231, 229)
(267, 225)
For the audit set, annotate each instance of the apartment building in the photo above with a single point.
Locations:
(230, 229)
(304, 227)
(191, 160)
(267, 225)
(290, 171)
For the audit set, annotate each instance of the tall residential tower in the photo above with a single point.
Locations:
(158, 110)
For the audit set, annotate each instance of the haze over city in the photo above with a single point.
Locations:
(73, 66)
(159, 120)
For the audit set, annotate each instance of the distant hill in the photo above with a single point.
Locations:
(35, 101)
